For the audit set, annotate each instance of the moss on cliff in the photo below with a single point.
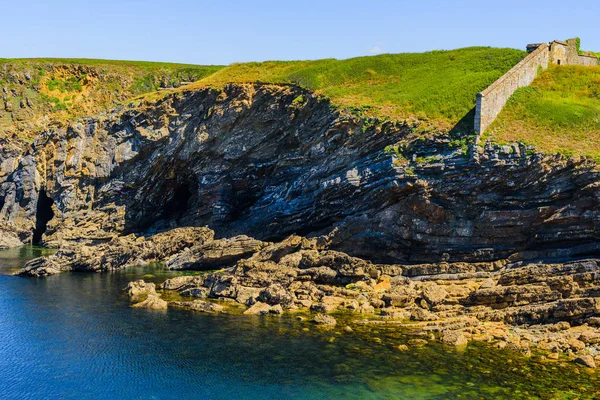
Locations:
(558, 113)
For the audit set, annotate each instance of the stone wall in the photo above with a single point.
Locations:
(491, 101)
(588, 61)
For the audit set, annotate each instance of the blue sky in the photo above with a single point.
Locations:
(222, 32)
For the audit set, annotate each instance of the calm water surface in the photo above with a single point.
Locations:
(74, 336)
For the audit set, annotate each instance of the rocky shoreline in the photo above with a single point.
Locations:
(548, 309)
(316, 210)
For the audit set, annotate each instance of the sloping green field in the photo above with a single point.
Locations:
(558, 113)
(438, 86)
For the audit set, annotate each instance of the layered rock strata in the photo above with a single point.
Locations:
(269, 161)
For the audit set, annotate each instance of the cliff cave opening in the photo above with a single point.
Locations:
(178, 204)
(43, 215)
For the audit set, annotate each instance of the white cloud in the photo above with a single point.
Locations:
(376, 50)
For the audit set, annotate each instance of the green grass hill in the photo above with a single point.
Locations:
(437, 86)
(558, 113)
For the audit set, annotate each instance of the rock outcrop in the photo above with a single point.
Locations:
(299, 207)
(249, 160)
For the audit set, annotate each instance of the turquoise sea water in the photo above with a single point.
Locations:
(74, 336)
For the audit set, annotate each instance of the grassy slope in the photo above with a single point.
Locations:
(558, 113)
(37, 94)
(439, 86)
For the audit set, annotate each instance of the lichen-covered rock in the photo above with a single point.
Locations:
(324, 319)
(199, 306)
(586, 361)
(434, 294)
(258, 309)
(454, 338)
(140, 288)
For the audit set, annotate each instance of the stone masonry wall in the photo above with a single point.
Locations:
(588, 61)
(491, 101)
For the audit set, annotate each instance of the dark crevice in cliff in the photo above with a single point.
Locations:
(43, 215)
(176, 207)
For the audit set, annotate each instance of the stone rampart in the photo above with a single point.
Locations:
(491, 101)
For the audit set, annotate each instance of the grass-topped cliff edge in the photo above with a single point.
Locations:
(436, 86)
(558, 113)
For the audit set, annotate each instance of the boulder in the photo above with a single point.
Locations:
(258, 308)
(454, 338)
(435, 294)
(152, 302)
(140, 288)
(176, 283)
(586, 361)
(420, 314)
(324, 319)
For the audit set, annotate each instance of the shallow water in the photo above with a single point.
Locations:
(74, 336)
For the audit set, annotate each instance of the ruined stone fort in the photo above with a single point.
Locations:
(491, 101)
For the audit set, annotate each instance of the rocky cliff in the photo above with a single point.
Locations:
(268, 161)
(299, 206)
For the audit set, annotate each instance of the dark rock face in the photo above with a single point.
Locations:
(270, 161)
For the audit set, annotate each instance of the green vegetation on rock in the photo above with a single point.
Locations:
(437, 86)
(558, 113)
(40, 93)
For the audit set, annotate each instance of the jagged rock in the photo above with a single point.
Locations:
(258, 309)
(199, 305)
(586, 361)
(216, 254)
(324, 319)
(434, 294)
(9, 239)
(454, 338)
(140, 288)
(166, 244)
(152, 302)
(420, 314)
(41, 266)
(248, 295)
(197, 291)
(177, 282)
